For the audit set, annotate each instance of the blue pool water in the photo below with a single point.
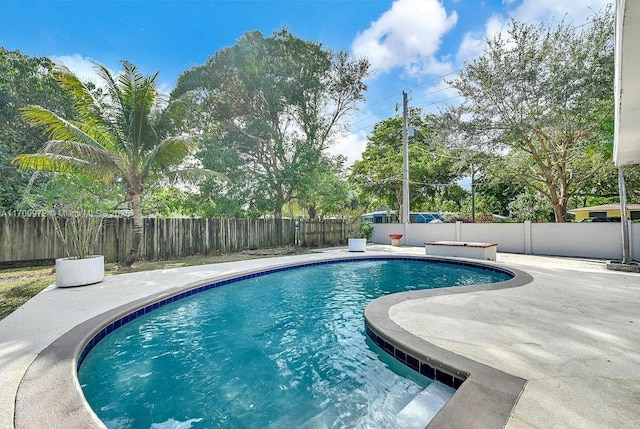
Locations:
(281, 350)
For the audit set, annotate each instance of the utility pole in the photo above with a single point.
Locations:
(405, 162)
(473, 194)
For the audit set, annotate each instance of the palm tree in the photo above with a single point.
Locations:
(116, 137)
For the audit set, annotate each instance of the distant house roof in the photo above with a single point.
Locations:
(380, 212)
(605, 208)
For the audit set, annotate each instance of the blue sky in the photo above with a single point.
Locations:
(410, 43)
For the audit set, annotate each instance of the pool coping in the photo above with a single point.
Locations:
(487, 396)
(50, 392)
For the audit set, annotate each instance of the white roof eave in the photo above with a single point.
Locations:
(626, 149)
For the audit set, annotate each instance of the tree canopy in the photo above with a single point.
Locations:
(542, 93)
(23, 80)
(432, 167)
(535, 125)
(115, 138)
(277, 103)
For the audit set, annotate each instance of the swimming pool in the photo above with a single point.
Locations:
(278, 350)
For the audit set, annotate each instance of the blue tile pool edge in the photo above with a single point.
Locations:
(135, 313)
(422, 366)
(50, 389)
(485, 397)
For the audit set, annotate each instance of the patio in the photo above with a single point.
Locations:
(572, 332)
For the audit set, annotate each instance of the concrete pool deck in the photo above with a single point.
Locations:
(572, 333)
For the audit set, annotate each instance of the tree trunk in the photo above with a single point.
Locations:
(279, 203)
(278, 222)
(560, 212)
(137, 231)
(399, 203)
(558, 204)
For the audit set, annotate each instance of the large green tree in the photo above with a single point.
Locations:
(326, 192)
(114, 138)
(541, 93)
(24, 80)
(236, 197)
(603, 187)
(277, 103)
(494, 191)
(432, 166)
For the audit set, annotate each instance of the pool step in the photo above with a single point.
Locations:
(306, 416)
(417, 413)
(423, 408)
(323, 420)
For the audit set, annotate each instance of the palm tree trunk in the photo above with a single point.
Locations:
(137, 231)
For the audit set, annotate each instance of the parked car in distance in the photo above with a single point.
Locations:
(601, 219)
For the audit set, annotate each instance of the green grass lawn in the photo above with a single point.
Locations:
(18, 285)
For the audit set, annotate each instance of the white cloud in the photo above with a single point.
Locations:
(473, 43)
(471, 46)
(408, 35)
(494, 25)
(547, 10)
(350, 145)
(83, 67)
(532, 11)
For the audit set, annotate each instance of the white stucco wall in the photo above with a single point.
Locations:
(509, 236)
(415, 234)
(589, 240)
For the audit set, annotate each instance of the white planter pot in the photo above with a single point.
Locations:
(79, 272)
(357, 244)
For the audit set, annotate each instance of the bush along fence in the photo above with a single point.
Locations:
(35, 238)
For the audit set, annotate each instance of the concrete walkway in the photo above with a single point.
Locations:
(573, 332)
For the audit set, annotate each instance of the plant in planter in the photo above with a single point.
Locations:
(79, 231)
(366, 230)
(359, 244)
(75, 205)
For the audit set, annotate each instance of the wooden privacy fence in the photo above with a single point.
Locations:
(326, 232)
(35, 238)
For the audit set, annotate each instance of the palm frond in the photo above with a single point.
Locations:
(89, 153)
(117, 110)
(56, 127)
(170, 152)
(101, 133)
(71, 156)
(85, 102)
(136, 98)
(112, 85)
(50, 162)
(139, 91)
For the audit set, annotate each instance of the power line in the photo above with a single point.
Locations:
(394, 95)
(430, 93)
(376, 120)
(439, 101)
